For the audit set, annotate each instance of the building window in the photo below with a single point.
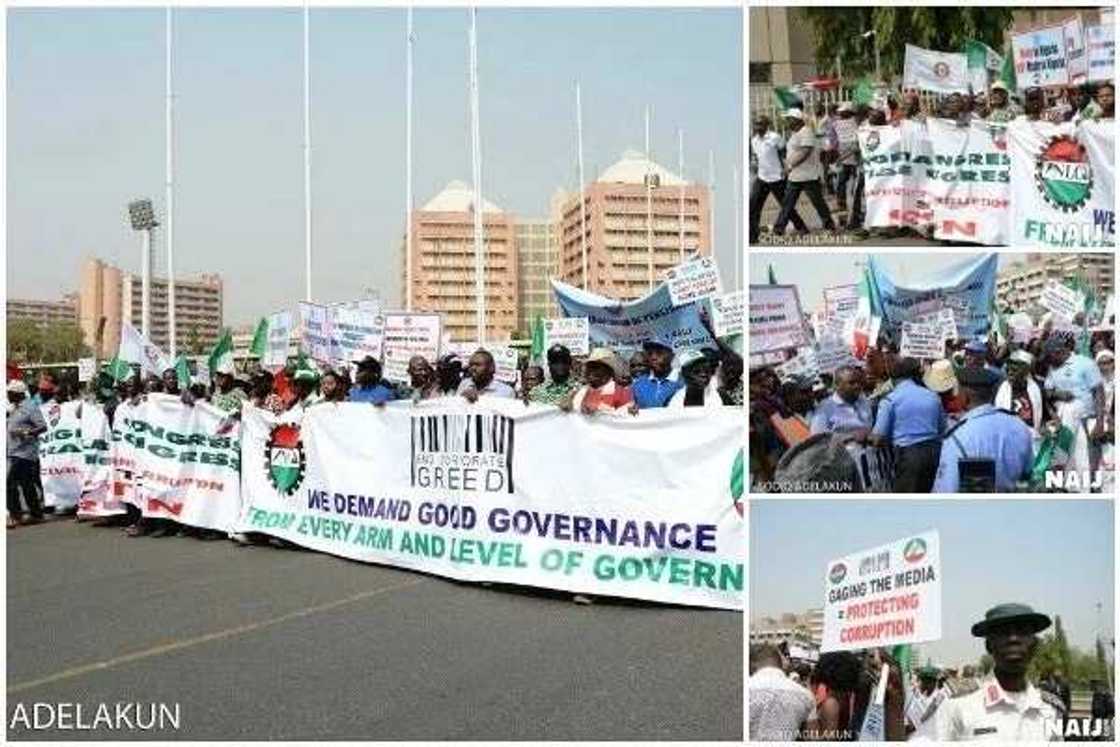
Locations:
(759, 72)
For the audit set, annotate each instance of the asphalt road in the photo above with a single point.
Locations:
(264, 643)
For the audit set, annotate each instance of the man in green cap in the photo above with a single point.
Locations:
(923, 705)
(1006, 707)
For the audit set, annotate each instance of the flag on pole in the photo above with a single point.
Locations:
(1007, 73)
(183, 373)
(260, 339)
(787, 98)
(864, 92)
(221, 357)
(136, 348)
(862, 328)
(981, 60)
(771, 278)
(118, 369)
(536, 353)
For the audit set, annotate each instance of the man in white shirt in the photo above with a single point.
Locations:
(779, 707)
(803, 163)
(922, 706)
(767, 147)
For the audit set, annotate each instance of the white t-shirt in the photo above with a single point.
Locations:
(766, 149)
(809, 169)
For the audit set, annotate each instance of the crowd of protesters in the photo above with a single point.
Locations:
(975, 420)
(601, 384)
(819, 153)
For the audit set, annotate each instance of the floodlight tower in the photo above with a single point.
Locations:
(143, 219)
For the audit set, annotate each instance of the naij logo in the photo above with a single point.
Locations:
(915, 550)
(838, 572)
(284, 458)
(1063, 175)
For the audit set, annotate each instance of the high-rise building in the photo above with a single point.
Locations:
(1019, 286)
(805, 627)
(110, 293)
(538, 257)
(617, 227)
(443, 265)
(44, 312)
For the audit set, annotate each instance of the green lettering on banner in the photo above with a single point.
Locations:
(425, 545)
(378, 539)
(270, 519)
(681, 571)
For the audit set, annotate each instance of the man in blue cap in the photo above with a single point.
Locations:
(1006, 707)
(976, 356)
(988, 450)
(656, 388)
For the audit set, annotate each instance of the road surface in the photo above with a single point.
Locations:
(265, 643)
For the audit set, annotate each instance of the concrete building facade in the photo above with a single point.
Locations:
(1020, 285)
(443, 265)
(617, 227)
(107, 291)
(44, 312)
(538, 254)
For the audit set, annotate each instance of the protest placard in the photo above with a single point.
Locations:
(1100, 44)
(405, 335)
(1064, 302)
(833, 354)
(727, 313)
(776, 322)
(943, 319)
(1040, 57)
(922, 341)
(885, 596)
(693, 280)
(277, 343)
(356, 333)
(841, 301)
(572, 332)
(1077, 61)
(87, 367)
(803, 365)
(315, 331)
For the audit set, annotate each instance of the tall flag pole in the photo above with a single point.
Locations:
(476, 165)
(170, 199)
(307, 146)
(649, 202)
(680, 172)
(738, 190)
(712, 202)
(582, 206)
(408, 167)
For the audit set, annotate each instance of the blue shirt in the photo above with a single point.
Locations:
(26, 415)
(376, 394)
(650, 391)
(1078, 376)
(986, 433)
(834, 414)
(909, 415)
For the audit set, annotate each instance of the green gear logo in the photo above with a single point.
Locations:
(1063, 174)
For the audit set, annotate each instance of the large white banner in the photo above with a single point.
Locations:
(1062, 184)
(941, 72)
(884, 596)
(1040, 58)
(636, 507)
(98, 497)
(178, 462)
(61, 460)
(936, 173)
(776, 322)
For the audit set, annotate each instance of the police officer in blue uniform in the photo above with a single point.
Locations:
(989, 449)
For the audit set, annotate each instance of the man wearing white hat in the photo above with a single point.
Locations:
(803, 162)
(25, 424)
(1000, 109)
(1020, 393)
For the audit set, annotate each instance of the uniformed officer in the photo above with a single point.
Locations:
(1006, 707)
(988, 450)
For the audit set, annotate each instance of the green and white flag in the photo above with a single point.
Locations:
(260, 339)
(118, 369)
(982, 60)
(183, 373)
(221, 358)
(1053, 453)
(138, 349)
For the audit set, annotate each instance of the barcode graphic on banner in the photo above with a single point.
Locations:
(466, 452)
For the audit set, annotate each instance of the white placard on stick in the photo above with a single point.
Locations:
(86, 369)
(922, 341)
(406, 335)
(884, 596)
(1064, 302)
(572, 332)
(693, 280)
(776, 322)
(727, 313)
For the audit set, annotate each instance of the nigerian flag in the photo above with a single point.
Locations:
(1053, 453)
(536, 353)
(183, 372)
(981, 59)
(118, 369)
(221, 357)
(1007, 74)
(787, 98)
(260, 339)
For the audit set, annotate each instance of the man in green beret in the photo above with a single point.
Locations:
(1006, 707)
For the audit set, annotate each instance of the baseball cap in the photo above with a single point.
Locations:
(794, 113)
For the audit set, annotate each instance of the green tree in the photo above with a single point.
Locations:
(1064, 653)
(25, 341)
(55, 342)
(194, 341)
(838, 31)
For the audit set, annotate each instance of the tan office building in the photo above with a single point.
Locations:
(443, 265)
(44, 312)
(538, 260)
(106, 291)
(1019, 286)
(617, 227)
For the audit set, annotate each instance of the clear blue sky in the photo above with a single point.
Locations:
(1055, 555)
(814, 271)
(86, 130)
